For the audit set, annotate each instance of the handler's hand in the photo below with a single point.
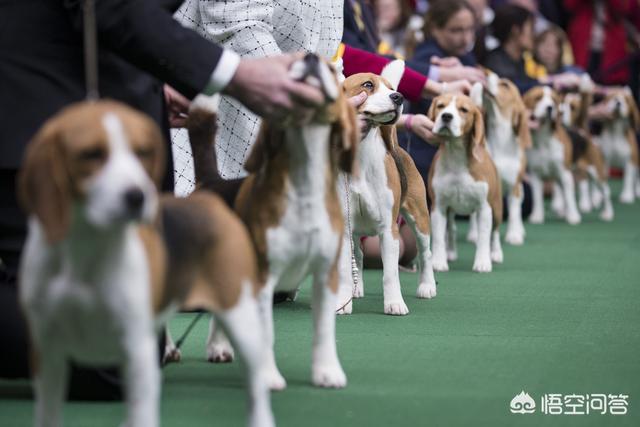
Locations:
(177, 106)
(263, 85)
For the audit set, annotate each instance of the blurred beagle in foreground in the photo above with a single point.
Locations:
(388, 185)
(291, 206)
(508, 138)
(618, 141)
(463, 180)
(550, 157)
(107, 259)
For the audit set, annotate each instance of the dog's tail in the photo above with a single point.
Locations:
(202, 126)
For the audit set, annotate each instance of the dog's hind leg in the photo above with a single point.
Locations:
(628, 181)
(569, 190)
(537, 193)
(482, 261)
(558, 201)
(274, 378)
(50, 383)
(172, 353)
(439, 226)
(515, 228)
(326, 370)
(452, 234)
(219, 349)
(472, 233)
(390, 246)
(244, 326)
(420, 228)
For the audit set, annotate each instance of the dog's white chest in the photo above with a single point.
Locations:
(614, 145)
(371, 198)
(546, 158)
(92, 303)
(304, 237)
(457, 189)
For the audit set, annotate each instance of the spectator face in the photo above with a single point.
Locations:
(388, 14)
(524, 35)
(457, 36)
(548, 52)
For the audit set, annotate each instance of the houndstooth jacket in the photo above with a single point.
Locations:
(258, 28)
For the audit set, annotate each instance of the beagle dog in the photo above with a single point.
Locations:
(508, 138)
(463, 180)
(291, 206)
(587, 159)
(388, 185)
(551, 155)
(107, 260)
(618, 141)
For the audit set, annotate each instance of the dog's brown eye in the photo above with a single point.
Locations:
(367, 85)
(439, 106)
(93, 154)
(464, 110)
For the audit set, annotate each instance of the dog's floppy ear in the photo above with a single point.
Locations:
(431, 113)
(520, 122)
(393, 72)
(345, 135)
(634, 114)
(44, 188)
(477, 134)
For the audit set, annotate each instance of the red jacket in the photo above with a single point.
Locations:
(614, 49)
(360, 61)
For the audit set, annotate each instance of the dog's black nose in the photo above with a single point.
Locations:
(618, 105)
(397, 98)
(447, 117)
(133, 199)
(549, 110)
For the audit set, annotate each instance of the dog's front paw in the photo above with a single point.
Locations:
(220, 352)
(426, 290)
(574, 218)
(440, 264)
(607, 214)
(345, 307)
(536, 218)
(171, 355)
(452, 255)
(482, 265)
(585, 205)
(396, 308)
(515, 238)
(497, 256)
(329, 376)
(626, 197)
(274, 379)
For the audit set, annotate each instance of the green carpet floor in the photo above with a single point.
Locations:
(561, 315)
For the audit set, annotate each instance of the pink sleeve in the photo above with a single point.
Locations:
(357, 61)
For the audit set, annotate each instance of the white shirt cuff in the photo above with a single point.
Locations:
(223, 73)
